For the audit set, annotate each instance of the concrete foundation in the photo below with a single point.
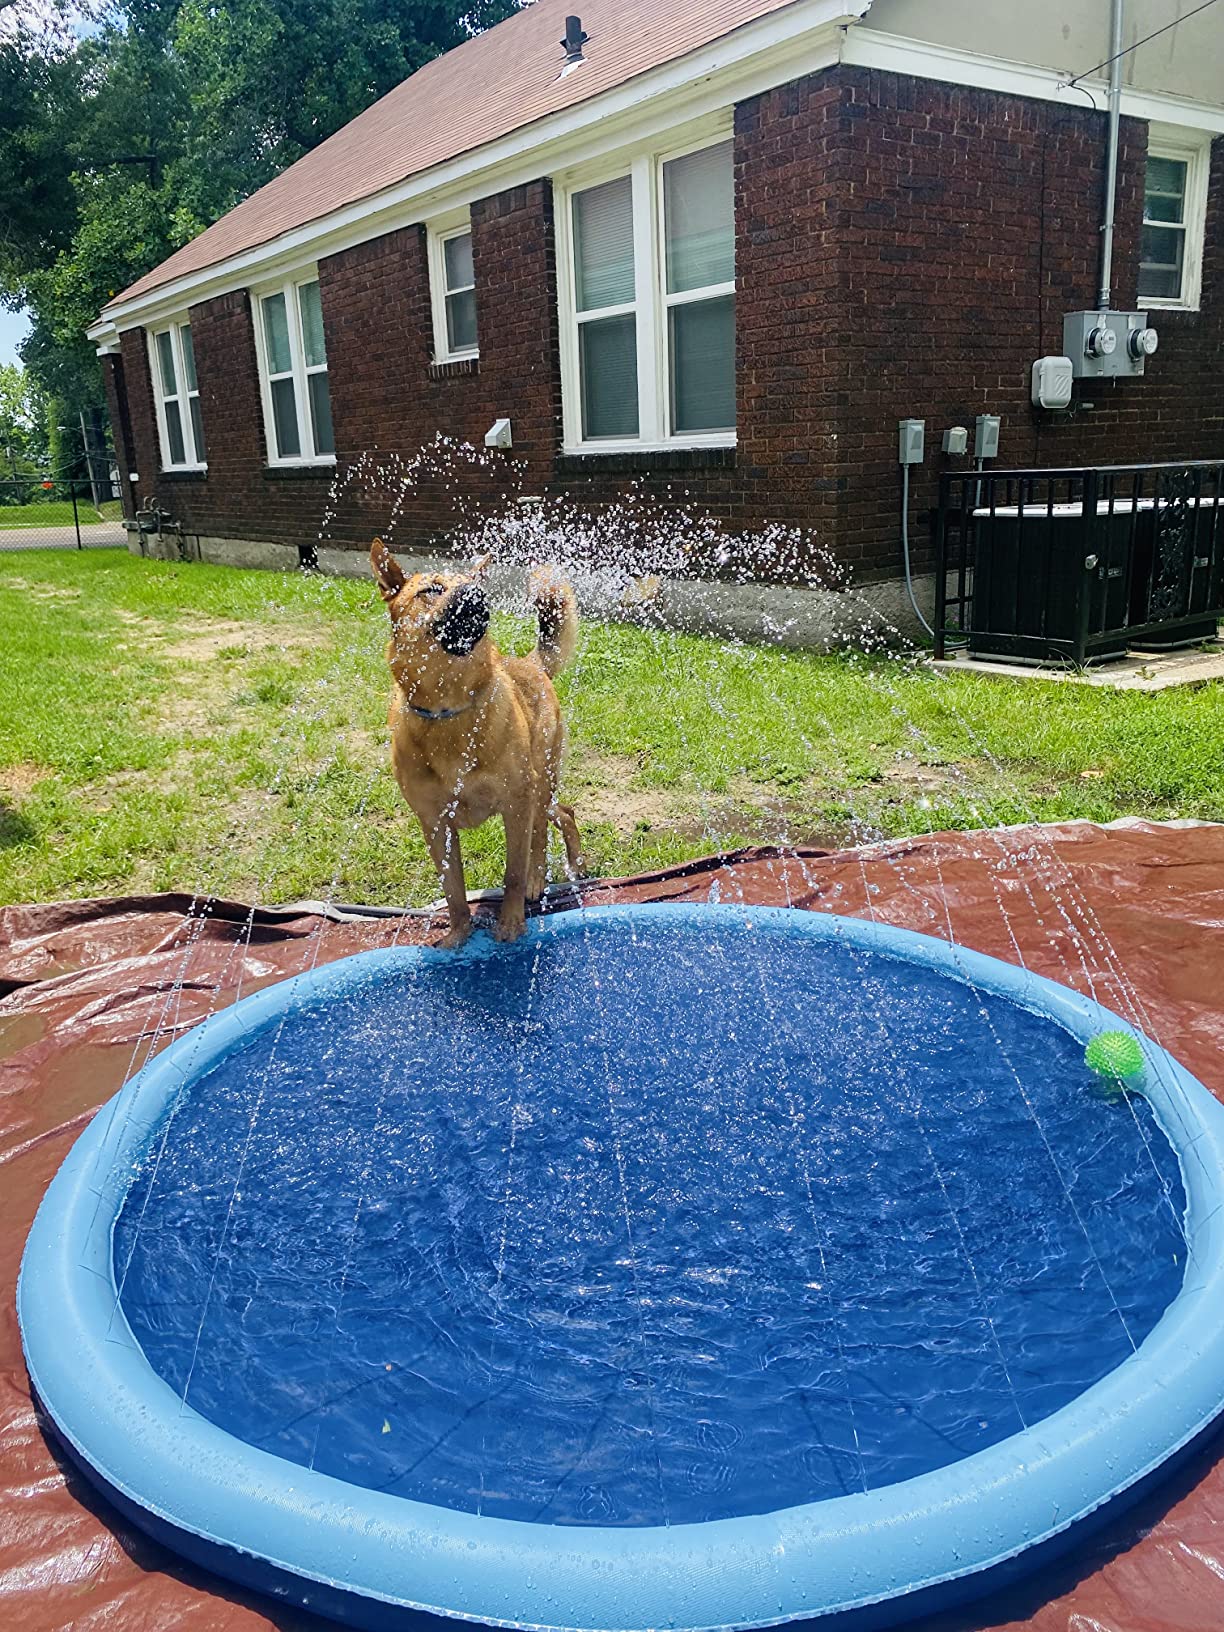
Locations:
(874, 616)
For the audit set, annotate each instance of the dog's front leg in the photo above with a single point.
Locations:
(518, 821)
(443, 838)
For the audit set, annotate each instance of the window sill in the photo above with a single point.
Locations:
(1167, 308)
(183, 473)
(451, 368)
(294, 473)
(645, 460)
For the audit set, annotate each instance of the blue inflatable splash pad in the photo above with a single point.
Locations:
(698, 1267)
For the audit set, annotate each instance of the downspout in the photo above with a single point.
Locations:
(1111, 164)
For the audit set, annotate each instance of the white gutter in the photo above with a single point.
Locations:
(800, 39)
(920, 59)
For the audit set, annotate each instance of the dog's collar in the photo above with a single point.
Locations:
(437, 713)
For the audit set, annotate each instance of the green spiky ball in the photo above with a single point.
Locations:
(1114, 1054)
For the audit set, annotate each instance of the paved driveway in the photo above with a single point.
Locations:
(98, 535)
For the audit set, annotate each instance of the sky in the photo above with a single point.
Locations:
(14, 326)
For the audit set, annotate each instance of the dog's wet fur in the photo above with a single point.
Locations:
(476, 734)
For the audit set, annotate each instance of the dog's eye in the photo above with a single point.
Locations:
(430, 589)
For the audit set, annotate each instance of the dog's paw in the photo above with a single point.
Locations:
(509, 926)
(455, 938)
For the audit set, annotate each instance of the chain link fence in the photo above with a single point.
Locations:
(72, 513)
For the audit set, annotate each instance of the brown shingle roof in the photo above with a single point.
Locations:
(482, 90)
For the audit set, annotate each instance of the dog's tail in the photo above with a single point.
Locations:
(557, 610)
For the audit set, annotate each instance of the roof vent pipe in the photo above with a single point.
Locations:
(574, 40)
(1111, 164)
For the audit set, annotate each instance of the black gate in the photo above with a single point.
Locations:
(1079, 565)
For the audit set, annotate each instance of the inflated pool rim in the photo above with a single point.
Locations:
(366, 1556)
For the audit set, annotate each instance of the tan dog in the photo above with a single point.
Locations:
(475, 734)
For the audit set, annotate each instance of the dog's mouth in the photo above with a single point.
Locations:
(463, 621)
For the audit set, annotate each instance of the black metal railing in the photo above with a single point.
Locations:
(1079, 565)
(44, 512)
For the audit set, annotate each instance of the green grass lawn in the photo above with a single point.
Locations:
(212, 730)
(57, 513)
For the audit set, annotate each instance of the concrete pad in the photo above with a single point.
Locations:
(1140, 671)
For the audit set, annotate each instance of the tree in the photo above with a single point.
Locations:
(117, 147)
(271, 79)
(37, 204)
(23, 424)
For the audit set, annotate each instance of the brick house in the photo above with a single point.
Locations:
(717, 257)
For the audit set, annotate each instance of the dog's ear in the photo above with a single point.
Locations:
(388, 574)
(480, 568)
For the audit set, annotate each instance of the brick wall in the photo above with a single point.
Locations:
(903, 247)
(970, 225)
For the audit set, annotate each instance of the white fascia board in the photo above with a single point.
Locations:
(867, 48)
(800, 39)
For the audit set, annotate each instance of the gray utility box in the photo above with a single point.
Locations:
(1108, 345)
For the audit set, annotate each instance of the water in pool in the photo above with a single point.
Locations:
(647, 1230)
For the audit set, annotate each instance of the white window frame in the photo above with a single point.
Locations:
(183, 397)
(437, 234)
(298, 371)
(1193, 149)
(651, 303)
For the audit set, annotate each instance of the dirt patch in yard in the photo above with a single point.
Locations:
(201, 645)
(827, 814)
(16, 781)
(42, 592)
(602, 794)
(208, 688)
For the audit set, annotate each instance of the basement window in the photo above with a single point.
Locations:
(452, 283)
(293, 375)
(647, 294)
(1174, 216)
(180, 426)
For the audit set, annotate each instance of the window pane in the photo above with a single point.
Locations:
(276, 334)
(284, 419)
(603, 245)
(1163, 207)
(197, 429)
(188, 357)
(312, 324)
(460, 271)
(174, 435)
(320, 414)
(699, 212)
(461, 320)
(1166, 189)
(1160, 269)
(1158, 284)
(702, 341)
(607, 351)
(165, 358)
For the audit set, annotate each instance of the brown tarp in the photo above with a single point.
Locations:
(87, 989)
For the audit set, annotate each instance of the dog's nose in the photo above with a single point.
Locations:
(463, 621)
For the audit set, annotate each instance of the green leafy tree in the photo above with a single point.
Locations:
(117, 147)
(23, 425)
(38, 107)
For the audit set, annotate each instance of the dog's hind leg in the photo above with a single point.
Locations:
(562, 817)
